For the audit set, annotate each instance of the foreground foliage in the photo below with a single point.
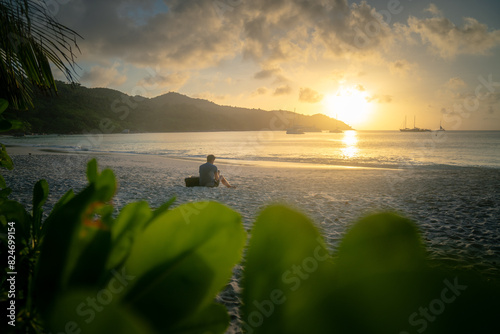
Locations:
(145, 271)
(83, 270)
(378, 281)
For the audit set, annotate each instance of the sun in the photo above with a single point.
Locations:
(350, 105)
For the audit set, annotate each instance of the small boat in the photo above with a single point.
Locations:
(414, 129)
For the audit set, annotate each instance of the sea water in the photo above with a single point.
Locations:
(381, 149)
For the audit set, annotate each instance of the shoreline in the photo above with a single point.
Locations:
(30, 150)
(14, 150)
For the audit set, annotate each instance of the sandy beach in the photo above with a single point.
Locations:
(456, 209)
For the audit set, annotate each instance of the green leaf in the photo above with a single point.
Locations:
(40, 194)
(164, 207)
(181, 260)
(128, 224)
(381, 243)
(4, 104)
(105, 181)
(286, 276)
(212, 319)
(66, 238)
(5, 160)
(2, 183)
(62, 201)
(93, 311)
(381, 276)
(16, 124)
(87, 263)
(92, 171)
(106, 185)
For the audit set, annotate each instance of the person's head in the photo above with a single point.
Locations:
(210, 158)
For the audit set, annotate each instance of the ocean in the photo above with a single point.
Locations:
(374, 149)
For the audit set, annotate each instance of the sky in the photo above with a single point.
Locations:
(370, 64)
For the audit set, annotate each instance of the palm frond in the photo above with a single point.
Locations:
(30, 40)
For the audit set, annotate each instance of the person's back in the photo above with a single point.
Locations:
(210, 176)
(207, 175)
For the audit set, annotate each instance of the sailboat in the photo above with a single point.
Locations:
(440, 127)
(414, 129)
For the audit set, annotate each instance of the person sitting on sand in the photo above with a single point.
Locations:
(210, 176)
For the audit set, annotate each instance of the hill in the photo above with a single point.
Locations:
(78, 109)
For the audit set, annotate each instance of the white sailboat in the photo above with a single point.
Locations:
(414, 129)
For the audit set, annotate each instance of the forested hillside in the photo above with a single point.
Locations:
(76, 109)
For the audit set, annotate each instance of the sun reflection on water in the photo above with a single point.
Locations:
(350, 141)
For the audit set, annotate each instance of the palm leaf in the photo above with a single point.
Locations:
(30, 40)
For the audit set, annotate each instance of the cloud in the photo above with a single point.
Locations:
(260, 91)
(186, 34)
(401, 67)
(455, 83)
(101, 76)
(359, 87)
(173, 81)
(265, 74)
(379, 98)
(434, 10)
(194, 34)
(282, 90)
(310, 96)
(448, 40)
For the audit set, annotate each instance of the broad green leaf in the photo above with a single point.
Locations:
(40, 194)
(105, 181)
(181, 260)
(92, 171)
(5, 160)
(3, 105)
(106, 185)
(381, 275)
(128, 224)
(2, 183)
(64, 242)
(212, 319)
(94, 311)
(381, 243)
(87, 267)
(62, 201)
(287, 274)
(16, 124)
(164, 207)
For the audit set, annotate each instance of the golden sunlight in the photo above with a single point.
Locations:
(350, 142)
(349, 104)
